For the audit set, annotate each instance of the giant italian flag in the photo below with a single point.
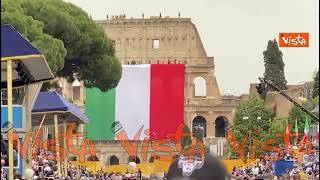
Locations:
(148, 97)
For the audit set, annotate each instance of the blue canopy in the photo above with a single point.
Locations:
(53, 103)
(14, 44)
(29, 64)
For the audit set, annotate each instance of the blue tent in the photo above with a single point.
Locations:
(58, 111)
(281, 167)
(29, 65)
(51, 103)
(13, 44)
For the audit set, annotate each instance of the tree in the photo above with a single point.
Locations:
(278, 126)
(274, 67)
(198, 134)
(297, 114)
(72, 42)
(53, 48)
(252, 109)
(315, 92)
(186, 138)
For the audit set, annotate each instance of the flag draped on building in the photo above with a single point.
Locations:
(150, 97)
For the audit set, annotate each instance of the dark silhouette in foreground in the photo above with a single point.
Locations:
(212, 168)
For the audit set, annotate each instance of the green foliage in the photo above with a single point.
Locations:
(186, 139)
(229, 152)
(198, 134)
(71, 41)
(252, 108)
(315, 92)
(274, 66)
(278, 126)
(297, 114)
(315, 100)
(51, 47)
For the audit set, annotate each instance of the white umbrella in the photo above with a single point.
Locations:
(132, 165)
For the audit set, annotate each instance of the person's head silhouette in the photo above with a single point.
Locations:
(212, 168)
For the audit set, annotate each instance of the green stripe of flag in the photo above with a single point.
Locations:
(100, 109)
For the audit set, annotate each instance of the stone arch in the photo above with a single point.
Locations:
(92, 158)
(113, 160)
(221, 124)
(134, 159)
(200, 87)
(199, 124)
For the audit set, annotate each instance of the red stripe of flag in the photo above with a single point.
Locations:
(166, 98)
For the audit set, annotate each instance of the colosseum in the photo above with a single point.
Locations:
(167, 40)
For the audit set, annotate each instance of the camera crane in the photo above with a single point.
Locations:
(261, 87)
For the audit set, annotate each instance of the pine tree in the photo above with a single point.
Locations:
(274, 67)
(70, 40)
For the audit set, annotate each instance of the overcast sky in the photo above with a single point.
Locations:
(235, 32)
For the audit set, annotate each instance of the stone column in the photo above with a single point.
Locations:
(210, 125)
(192, 116)
(214, 117)
(124, 159)
(187, 118)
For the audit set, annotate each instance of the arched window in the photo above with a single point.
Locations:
(221, 126)
(134, 159)
(76, 86)
(113, 160)
(199, 126)
(200, 87)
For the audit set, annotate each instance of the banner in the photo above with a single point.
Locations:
(148, 102)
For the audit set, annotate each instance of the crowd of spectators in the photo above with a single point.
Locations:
(45, 167)
(305, 169)
(263, 170)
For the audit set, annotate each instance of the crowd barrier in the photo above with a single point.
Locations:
(148, 168)
(231, 163)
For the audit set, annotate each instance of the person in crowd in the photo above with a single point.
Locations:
(139, 174)
(165, 175)
(3, 171)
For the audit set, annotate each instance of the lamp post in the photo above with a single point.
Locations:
(250, 125)
(247, 118)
